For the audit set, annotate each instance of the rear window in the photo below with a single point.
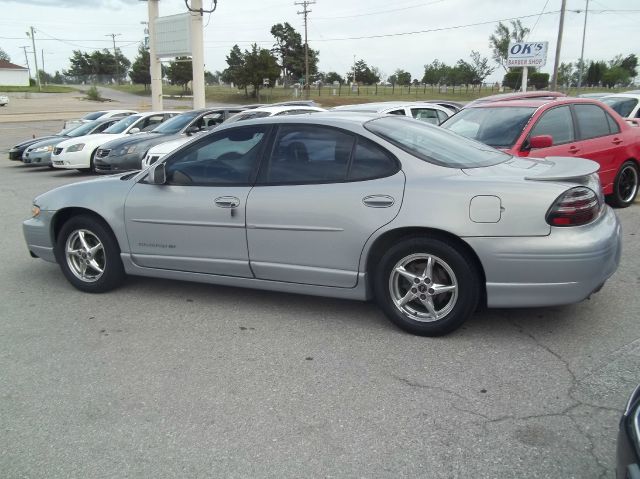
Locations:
(499, 127)
(622, 106)
(123, 124)
(434, 144)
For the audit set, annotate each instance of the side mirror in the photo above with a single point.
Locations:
(134, 130)
(157, 175)
(192, 129)
(541, 141)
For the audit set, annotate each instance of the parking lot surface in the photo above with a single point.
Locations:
(170, 379)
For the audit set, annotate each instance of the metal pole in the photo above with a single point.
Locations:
(35, 58)
(525, 78)
(554, 82)
(305, 12)
(155, 67)
(42, 53)
(197, 55)
(584, 32)
(115, 53)
(26, 58)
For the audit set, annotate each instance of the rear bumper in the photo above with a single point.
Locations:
(563, 267)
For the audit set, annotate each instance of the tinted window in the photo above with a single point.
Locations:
(308, 154)
(175, 124)
(442, 116)
(499, 127)
(227, 157)
(103, 126)
(622, 106)
(556, 122)
(426, 114)
(248, 115)
(295, 112)
(613, 124)
(396, 112)
(150, 122)
(123, 124)
(434, 144)
(95, 115)
(83, 129)
(592, 121)
(371, 161)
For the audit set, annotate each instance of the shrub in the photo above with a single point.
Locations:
(93, 94)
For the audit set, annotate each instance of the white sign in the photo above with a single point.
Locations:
(173, 35)
(527, 54)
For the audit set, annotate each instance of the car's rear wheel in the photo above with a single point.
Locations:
(88, 255)
(625, 186)
(426, 286)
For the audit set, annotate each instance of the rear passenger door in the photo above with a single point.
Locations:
(319, 196)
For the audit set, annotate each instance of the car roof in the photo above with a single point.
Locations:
(280, 108)
(622, 95)
(535, 102)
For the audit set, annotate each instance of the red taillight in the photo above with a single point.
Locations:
(575, 207)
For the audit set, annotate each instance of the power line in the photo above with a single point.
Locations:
(538, 19)
(380, 12)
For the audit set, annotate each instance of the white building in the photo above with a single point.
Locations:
(13, 75)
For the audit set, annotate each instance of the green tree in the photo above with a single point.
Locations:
(212, 78)
(629, 63)
(462, 73)
(141, 68)
(594, 73)
(260, 64)
(81, 66)
(235, 72)
(290, 51)
(180, 72)
(436, 73)
(565, 73)
(4, 55)
(480, 67)
(364, 74)
(331, 77)
(616, 75)
(402, 77)
(502, 36)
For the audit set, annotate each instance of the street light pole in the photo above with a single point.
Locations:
(35, 58)
(554, 82)
(584, 32)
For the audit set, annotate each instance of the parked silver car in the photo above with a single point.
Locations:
(429, 224)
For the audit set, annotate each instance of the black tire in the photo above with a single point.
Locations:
(92, 166)
(107, 257)
(455, 306)
(625, 186)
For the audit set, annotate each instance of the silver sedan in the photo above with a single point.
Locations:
(360, 206)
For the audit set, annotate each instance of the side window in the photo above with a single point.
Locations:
(151, 122)
(104, 126)
(556, 122)
(371, 161)
(228, 157)
(308, 154)
(592, 121)
(442, 116)
(613, 125)
(210, 121)
(396, 112)
(428, 115)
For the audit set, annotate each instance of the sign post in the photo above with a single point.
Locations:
(525, 55)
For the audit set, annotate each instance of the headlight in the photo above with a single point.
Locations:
(76, 147)
(43, 149)
(125, 150)
(35, 211)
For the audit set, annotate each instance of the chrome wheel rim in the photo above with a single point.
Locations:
(423, 287)
(628, 183)
(85, 256)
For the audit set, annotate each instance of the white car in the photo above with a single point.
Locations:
(163, 149)
(95, 115)
(4, 100)
(78, 153)
(425, 111)
(627, 105)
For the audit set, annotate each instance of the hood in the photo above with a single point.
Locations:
(136, 139)
(168, 146)
(31, 141)
(95, 139)
(50, 141)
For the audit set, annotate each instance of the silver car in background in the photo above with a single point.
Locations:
(429, 224)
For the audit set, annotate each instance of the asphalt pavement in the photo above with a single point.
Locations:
(170, 379)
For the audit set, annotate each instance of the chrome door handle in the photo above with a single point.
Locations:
(227, 202)
(378, 201)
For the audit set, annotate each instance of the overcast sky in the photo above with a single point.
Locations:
(84, 24)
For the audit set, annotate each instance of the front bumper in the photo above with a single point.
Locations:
(37, 234)
(117, 164)
(37, 159)
(15, 154)
(563, 267)
(71, 160)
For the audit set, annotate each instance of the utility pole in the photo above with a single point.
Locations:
(155, 67)
(115, 53)
(197, 54)
(306, 12)
(26, 59)
(35, 58)
(554, 83)
(584, 32)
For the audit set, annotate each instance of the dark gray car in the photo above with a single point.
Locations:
(123, 154)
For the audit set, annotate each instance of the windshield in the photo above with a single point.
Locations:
(93, 116)
(623, 106)
(247, 115)
(175, 124)
(499, 127)
(82, 130)
(122, 124)
(433, 144)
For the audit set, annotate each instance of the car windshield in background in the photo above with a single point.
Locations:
(433, 144)
(122, 124)
(249, 115)
(93, 116)
(622, 106)
(175, 124)
(497, 126)
(82, 130)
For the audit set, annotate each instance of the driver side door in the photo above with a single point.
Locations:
(195, 222)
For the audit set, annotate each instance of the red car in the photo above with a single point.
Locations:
(572, 127)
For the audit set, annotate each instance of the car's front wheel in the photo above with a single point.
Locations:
(625, 186)
(426, 286)
(88, 255)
